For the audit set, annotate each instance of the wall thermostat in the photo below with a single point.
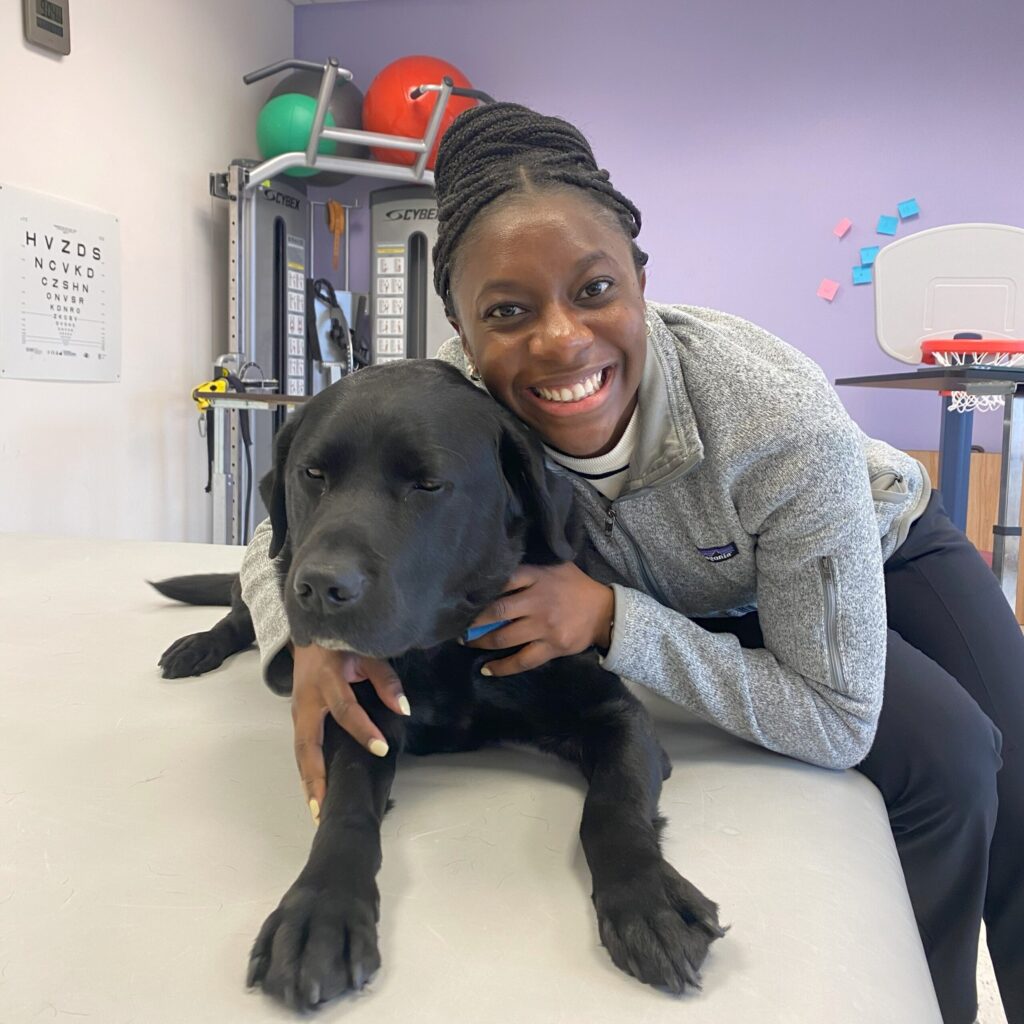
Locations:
(47, 24)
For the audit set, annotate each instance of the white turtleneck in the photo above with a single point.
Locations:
(606, 472)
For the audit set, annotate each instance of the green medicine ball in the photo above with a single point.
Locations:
(284, 125)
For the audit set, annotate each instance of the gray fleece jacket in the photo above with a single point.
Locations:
(749, 487)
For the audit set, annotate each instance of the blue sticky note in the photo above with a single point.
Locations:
(887, 225)
(475, 632)
(908, 208)
(862, 275)
(868, 254)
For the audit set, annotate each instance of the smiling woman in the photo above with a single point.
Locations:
(531, 234)
(734, 555)
(554, 317)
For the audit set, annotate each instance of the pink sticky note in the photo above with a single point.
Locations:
(842, 227)
(827, 289)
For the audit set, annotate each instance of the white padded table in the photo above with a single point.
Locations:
(147, 827)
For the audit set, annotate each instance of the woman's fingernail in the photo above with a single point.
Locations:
(403, 703)
(485, 671)
(378, 747)
(314, 809)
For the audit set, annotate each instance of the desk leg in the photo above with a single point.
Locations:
(1006, 533)
(955, 462)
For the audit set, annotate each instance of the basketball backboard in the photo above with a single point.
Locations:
(948, 280)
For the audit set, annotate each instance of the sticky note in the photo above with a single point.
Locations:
(862, 275)
(868, 254)
(842, 227)
(887, 225)
(827, 289)
(908, 208)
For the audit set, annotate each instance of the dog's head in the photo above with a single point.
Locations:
(402, 499)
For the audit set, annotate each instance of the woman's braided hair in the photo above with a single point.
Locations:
(501, 148)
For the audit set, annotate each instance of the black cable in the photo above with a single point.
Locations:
(238, 385)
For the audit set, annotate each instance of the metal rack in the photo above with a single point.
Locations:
(238, 187)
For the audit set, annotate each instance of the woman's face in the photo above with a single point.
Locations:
(551, 310)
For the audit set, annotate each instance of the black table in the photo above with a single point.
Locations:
(955, 449)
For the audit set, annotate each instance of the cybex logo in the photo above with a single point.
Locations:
(424, 213)
(280, 198)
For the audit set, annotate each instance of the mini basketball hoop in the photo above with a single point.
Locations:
(952, 296)
(973, 350)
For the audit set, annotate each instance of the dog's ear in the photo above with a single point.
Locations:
(539, 497)
(272, 489)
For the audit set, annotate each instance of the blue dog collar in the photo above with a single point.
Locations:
(475, 632)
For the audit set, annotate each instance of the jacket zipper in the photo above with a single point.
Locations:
(828, 582)
(610, 521)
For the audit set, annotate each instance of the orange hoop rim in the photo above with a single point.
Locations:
(963, 346)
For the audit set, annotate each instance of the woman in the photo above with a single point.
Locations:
(751, 555)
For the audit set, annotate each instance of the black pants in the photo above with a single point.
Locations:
(948, 757)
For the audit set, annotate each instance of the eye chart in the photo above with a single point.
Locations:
(60, 289)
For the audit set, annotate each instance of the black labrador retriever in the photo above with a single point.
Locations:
(402, 498)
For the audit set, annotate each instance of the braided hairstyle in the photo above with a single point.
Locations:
(499, 149)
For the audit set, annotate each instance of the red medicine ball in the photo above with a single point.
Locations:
(390, 109)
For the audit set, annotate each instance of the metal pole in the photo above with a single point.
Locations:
(223, 484)
(320, 115)
(433, 125)
(955, 462)
(342, 165)
(1006, 532)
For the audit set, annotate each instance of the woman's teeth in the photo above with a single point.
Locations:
(580, 390)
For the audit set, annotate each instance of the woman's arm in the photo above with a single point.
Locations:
(815, 690)
(261, 591)
(322, 678)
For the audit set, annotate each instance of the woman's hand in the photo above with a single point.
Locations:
(555, 610)
(322, 683)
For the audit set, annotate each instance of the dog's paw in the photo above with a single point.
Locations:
(319, 943)
(658, 927)
(192, 655)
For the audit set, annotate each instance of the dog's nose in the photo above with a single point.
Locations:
(329, 587)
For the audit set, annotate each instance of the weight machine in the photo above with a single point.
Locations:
(271, 366)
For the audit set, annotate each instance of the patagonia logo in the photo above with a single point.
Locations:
(722, 553)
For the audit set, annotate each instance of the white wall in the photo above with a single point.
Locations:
(132, 122)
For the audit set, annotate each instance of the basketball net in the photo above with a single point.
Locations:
(972, 352)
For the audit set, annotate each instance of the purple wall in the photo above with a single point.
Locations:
(744, 132)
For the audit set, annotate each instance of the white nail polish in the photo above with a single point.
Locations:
(485, 671)
(378, 747)
(403, 703)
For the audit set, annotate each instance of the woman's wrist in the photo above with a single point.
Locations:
(605, 619)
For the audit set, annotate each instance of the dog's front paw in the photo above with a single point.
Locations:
(658, 927)
(192, 655)
(320, 942)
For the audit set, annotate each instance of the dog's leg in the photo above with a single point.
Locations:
(322, 938)
(197, 653)
(654, 923)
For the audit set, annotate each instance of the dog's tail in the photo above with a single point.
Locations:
(203, 588)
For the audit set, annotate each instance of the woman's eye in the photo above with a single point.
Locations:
(428, 485)
(313, 473)
(603, 285)
(505, 311)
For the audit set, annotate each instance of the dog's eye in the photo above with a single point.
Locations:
(428, 485)
(314, 474)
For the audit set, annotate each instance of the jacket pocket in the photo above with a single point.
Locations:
(889, 484)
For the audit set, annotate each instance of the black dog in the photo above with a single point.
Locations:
(401, 501)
